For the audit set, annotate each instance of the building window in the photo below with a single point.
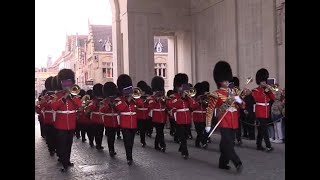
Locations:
(159, 47)
(110, 70)
(104, 72)
(160, 69)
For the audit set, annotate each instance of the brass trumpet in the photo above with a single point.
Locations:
(74, 90)
(85, 99)
(273, 87)
(191, 92)
(137, 93)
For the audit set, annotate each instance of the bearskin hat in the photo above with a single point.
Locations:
(89, 92)
(199, 88)
(124, 81)
(206, 86)
(110, 89)
(157, 83)
(222, 72)
(82, 93)
(47, 83)
(43, 92)
(97, 90)
(262, 75)
(180, 79)
(65, 74)
(235, 81)
(148, 91)
(190, 84)
(54, 84)
(142, 85)
(170, 92)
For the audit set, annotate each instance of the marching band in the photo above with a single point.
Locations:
(65, 110)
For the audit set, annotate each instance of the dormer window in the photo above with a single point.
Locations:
(108, 46)
(159, 47)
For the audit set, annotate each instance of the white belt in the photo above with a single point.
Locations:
(158, 109)
(200, 111)
(49, 111)
(262, 104)
(232, 109)
(110, 114)
(142, 109)
(96, 113)
(182, 110)
(128, 113)
(66, 112)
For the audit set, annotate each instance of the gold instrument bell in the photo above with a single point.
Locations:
(191, 92)
(85, 99)
(75, 90)
(137, 93)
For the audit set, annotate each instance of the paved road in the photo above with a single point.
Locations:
(154, 165)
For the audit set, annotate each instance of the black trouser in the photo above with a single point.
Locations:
(238, 131)
(64, 144)
(150, 126)
(83, 129)
(189, 131)
(227, 148)
(90, 133)
(111, 135)
(200, 126)
(263, 132)
(182, 130)
(98, 134)
(77, 131)
(143, 127)
(50, 137)
(118, 131)
(172, 126)
(128, 139)
(159, 135)
(42, 129)
(248, 127)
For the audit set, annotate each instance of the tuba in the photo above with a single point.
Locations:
(137, 93)
(74, 90)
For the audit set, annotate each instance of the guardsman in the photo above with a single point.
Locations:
(263, 95)
(126, 105)
(65, 105)
(226, 104)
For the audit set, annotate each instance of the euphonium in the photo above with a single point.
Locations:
(137, 93)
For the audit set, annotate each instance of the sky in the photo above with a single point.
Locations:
(56, 18)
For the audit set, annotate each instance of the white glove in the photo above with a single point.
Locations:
(238, 99)
(208, 129)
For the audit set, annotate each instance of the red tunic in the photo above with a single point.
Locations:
(95, 112)
(199, 113)
(65, 112)
(142, 112)
(230, 120)
(110, 115)
(262, 98)
(127, 110)
(158, 109)
(182, 107)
